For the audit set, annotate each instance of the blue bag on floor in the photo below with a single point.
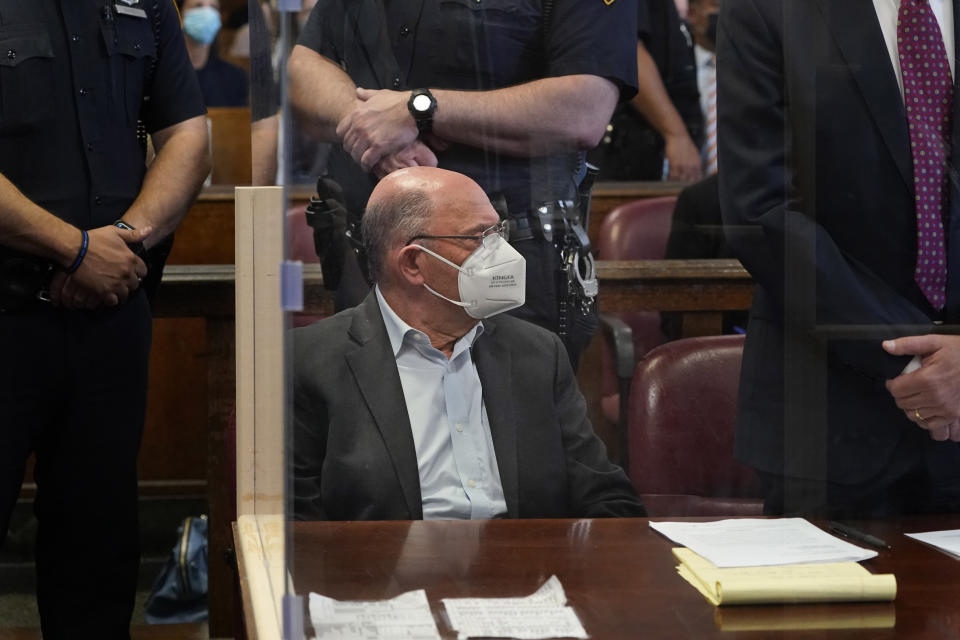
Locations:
(180, 591)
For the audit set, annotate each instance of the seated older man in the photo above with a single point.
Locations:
(416, 404)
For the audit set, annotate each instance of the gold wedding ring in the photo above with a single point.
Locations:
(916, 412)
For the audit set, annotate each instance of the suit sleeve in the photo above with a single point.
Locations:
(597, 487)
(309, 450)
(765, 212)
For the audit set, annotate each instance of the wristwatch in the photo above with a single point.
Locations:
(422, 106)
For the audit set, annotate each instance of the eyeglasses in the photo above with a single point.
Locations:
(501, 229)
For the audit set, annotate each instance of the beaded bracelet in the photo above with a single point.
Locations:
(80, 254)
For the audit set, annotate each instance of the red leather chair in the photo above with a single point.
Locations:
(636, 230)
(683, 407)
(300, 236)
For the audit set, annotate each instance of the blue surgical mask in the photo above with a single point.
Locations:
(201, 24)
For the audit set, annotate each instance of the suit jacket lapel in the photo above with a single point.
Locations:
(494, 368)
(854, 26)
(375, 372)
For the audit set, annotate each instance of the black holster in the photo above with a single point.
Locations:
(24, 280)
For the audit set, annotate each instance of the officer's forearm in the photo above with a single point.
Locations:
(565, 113)
(173, 179)
(652, 101)
(263, 149)
(27, 227)
(321, 93)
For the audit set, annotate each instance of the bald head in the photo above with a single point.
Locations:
(408, 203)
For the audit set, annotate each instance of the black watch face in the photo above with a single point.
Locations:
(421, 103)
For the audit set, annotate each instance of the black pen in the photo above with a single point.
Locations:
(860, 536)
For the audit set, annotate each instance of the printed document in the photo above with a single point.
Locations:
(544, 614)
(754, 542)
(406, 617)
(948, 541)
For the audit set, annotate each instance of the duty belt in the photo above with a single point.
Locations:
(561, 224)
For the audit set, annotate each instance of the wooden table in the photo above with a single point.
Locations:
(619, 576)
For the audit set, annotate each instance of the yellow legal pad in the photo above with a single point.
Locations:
(830, 582)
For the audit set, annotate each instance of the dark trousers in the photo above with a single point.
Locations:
(928, 481)
(73, 391)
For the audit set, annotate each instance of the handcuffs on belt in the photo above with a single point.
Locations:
(561, 224)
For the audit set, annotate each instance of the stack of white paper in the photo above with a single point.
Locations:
(543, 614)
(406, 617)
(754, 542)
(948, 541)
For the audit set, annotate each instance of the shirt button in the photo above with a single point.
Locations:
(136, 46)
(472, 484)
(396, 82)
(97, 199)
(11, 54)
(404, 30)
(83, 91)
(89, 146)
(459, 427)
(74, 38)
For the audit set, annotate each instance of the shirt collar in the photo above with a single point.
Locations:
(398, 330)
(704, 57)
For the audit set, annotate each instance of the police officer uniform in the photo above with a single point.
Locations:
(479, 45)
(633, 149)
(75, 78)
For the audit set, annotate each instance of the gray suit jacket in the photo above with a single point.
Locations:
(354, 456)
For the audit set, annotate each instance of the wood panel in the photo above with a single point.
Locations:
(173, 454)
(230, 145)
(206, 234)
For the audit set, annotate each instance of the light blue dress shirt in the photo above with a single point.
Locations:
(459, 478)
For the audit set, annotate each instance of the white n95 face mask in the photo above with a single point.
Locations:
(493, 279)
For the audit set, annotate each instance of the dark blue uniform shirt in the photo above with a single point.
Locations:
(74, 80)
(222, 84)
(475, 45)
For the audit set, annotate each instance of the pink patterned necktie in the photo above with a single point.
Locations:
(711, 146)
(928, 97)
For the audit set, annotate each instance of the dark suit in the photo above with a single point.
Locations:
(816, 186)
(354, 456)
(696, 233)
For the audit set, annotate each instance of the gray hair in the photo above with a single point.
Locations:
(390, 222)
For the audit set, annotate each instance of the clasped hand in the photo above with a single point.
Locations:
(109, 273)
(930, 395)
(381, 135)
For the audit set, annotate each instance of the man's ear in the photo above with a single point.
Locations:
(407, 260)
